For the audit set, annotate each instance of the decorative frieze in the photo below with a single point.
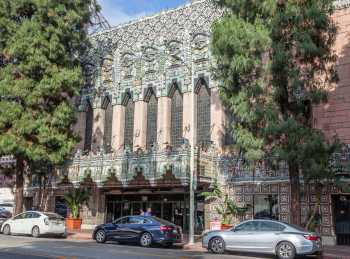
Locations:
(155, 50)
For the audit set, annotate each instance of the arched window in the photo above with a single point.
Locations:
(203, 116)
(88, 127)
(107, 137)
(152, 108)
(129, 122)
(176, 118)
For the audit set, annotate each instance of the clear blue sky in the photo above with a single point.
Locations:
(121, 11)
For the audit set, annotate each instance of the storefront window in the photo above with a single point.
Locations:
(172, 207)
(266, 206)
(61, 206)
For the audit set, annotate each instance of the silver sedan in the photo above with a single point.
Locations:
(264, 236)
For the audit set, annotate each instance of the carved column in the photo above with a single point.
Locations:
(79, 128)
(118, 127)
(218, 119)
(140, 125)
(164, 121)
(98, 127)
(187, 117)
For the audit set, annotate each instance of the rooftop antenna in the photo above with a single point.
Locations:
(98, 21)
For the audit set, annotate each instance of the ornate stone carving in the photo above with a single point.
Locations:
(174, 53)
(127, 62)
(107, 70)
(149, 55)
(153, 50)
(200, 45)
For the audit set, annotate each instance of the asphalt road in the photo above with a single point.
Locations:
(18, 247)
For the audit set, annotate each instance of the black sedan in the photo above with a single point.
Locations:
(139, 229)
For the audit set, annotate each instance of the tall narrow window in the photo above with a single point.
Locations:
(176, 118)
(152, 108)
(203, 116)
(129, 123)
(107, 138)
(88, 127)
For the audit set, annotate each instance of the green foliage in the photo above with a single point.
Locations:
(74, 199)
(225, 206)
(41, 44)
(274, 60)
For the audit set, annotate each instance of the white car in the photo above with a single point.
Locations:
(35, 223)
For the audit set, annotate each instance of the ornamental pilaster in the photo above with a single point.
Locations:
(140, 125)
(118, 125)
(164, 121)
(218, 119)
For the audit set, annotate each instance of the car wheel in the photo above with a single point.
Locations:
(285, 250)
(36, 232)
(217, 245)
(146, 239)
(7, 230)
(100, 236)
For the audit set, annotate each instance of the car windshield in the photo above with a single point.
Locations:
(163, 221)
(6, 205)
(53, 216)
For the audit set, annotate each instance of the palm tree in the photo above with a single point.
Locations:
(225, 207)
(74, 199)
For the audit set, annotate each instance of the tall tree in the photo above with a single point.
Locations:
(274, 60)
(41, 44)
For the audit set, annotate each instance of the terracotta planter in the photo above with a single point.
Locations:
(73, 224)
(225, 226)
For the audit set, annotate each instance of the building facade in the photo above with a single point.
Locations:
(150, 112)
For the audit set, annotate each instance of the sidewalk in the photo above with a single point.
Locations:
(79, 235)
(329, 252)
(336, 252)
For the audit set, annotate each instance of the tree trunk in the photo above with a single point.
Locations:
(19, 186)
(294, 194)
(316, 209)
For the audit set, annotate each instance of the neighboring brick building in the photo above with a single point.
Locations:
(149, 96)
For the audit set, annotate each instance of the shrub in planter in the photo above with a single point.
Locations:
(225, 207)
(74, 200)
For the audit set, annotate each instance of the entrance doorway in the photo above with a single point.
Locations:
(171, 207)
(341, 212)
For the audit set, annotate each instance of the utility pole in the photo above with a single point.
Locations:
(192, 164)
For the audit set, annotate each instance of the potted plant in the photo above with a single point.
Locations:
(74, 199)
(225, 207)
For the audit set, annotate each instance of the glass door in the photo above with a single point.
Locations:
(156, 209)
(168, 211)
(136, 208)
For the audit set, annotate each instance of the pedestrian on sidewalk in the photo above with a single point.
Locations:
(148, 212)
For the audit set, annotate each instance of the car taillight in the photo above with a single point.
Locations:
(311, 237)
(46, 220)
(165, 228)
